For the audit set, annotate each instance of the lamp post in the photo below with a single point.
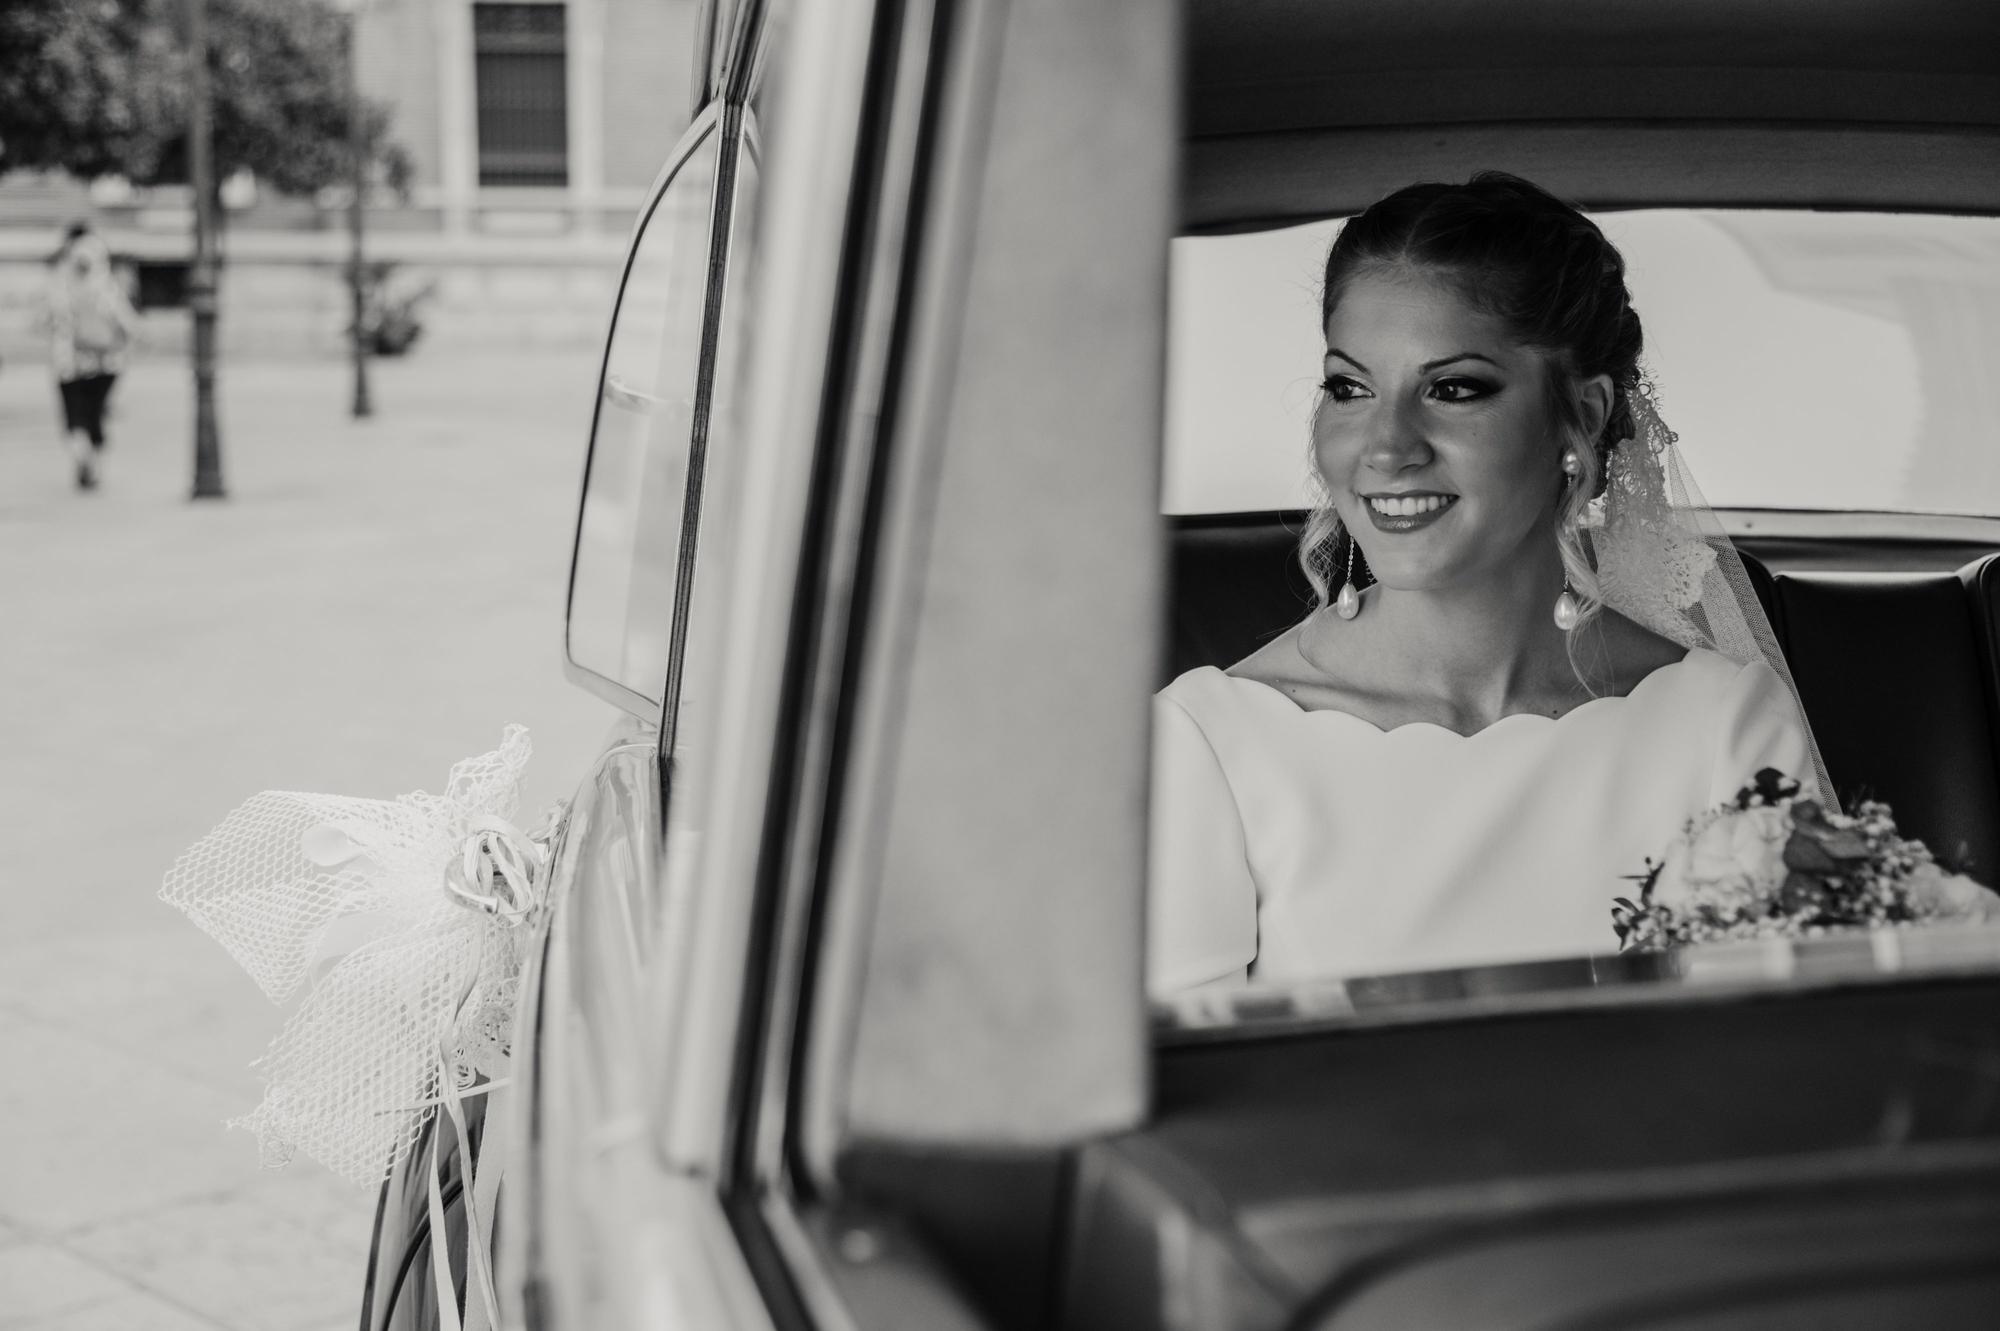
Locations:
(202, 273)
(357, 145)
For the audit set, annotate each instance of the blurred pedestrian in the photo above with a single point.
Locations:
(91, 323)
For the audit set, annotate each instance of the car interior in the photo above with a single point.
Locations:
(1745, 1166)
(1813, 1156)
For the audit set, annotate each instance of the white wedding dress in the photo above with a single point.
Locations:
(1292, 844)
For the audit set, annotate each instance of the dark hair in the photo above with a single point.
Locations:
(1515, 251)
(72, 233)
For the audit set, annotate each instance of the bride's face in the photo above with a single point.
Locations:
(1435, 437)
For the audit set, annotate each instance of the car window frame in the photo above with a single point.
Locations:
(716, 933)
(711, 121)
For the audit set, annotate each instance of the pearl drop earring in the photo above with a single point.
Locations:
(1568, 608)
(1348, 603)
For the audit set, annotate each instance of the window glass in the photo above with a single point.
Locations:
(1808, 360)
(629, 534)
(522, 82)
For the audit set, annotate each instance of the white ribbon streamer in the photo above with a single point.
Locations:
(404, 921)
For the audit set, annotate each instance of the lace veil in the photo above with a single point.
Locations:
(1664, 561)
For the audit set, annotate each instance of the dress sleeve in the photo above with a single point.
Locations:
(1202, 902)
(1761, 727)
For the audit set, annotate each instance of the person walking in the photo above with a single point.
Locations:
(91, 323)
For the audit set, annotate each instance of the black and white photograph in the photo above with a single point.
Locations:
(999, 665)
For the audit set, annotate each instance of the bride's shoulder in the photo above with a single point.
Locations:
(1275, 671)
(1621, 654)
(1277, 663)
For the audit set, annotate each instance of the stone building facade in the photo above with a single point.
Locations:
(534, 128)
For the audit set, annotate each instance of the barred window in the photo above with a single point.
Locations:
(523, 90)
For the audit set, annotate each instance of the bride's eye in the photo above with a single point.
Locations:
(1461, 389)
(1342, 388)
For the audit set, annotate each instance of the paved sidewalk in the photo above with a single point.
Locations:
(373, 601)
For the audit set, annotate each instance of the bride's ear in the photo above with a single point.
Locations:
(1594, 397)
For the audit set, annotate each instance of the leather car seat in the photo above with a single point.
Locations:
(1897, 674)
(1234, 584)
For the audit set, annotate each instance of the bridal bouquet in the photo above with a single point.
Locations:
(1769, 863)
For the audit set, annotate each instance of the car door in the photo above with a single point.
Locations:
(898, 175)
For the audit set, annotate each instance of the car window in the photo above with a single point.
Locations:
(1808, 361)
(638, 483)
(1852, 369)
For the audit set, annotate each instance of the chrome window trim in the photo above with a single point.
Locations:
(1859, 524)
(742, 52)
(698, 1009)
(854, 384)
(721, 220)
(942, 261)
(799, 873)
(709, 121)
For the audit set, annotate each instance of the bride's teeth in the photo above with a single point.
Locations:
(1407, 506)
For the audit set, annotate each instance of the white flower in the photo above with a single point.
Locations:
(1729, 853)
(1951, 896)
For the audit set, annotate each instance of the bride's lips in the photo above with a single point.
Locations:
(1408, 510)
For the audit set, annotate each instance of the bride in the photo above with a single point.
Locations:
(1526, 668)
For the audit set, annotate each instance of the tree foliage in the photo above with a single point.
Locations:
(65, 67)
(97, 87)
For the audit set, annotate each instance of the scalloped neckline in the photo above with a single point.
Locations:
(1487, 729)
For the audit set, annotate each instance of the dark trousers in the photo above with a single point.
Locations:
(83, 405)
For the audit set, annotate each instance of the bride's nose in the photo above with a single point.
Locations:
(1396, 439)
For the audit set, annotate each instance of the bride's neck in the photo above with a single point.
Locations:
(1483, 644)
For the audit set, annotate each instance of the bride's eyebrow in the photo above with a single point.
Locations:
(1430, 365)
(1425, 368)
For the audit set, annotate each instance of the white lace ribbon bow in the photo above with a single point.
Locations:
(401, 919)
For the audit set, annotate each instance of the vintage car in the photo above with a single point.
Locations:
(837, 1019)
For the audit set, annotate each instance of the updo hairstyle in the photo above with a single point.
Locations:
(1514, 251)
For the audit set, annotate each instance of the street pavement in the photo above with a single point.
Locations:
(373, 601)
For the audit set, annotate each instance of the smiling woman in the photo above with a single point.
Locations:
(1456, 445)
(1401, 779)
